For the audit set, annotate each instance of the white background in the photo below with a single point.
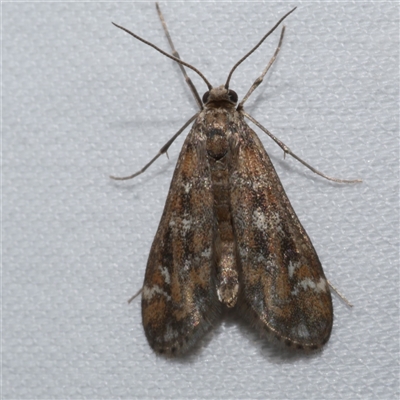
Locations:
(82, 100)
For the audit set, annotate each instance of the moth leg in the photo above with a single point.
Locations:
(135, 295)
(163, 150)
(288, 151)
(176, 54)
(258, 81)
(345, 301)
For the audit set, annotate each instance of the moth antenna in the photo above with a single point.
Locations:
(176, 54)
(178, 60)
(254, 48)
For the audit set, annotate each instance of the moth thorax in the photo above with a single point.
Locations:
(217, 143)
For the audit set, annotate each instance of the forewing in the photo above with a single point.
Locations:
(179, 300)
(283, 287)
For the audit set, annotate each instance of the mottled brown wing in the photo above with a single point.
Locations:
(179, 300)
(284, 291)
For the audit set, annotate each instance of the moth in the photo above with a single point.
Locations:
(228, 236)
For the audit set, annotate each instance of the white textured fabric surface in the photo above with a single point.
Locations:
(82, 100)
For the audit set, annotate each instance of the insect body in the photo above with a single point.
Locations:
(228, 236)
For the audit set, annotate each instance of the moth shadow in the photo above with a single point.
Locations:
(269, 348)
(192, 354)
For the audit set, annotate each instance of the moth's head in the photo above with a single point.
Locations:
(220, 94)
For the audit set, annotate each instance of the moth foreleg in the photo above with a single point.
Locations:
(163, 150)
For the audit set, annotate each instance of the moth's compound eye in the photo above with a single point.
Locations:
(205, 97)
(233, 96)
